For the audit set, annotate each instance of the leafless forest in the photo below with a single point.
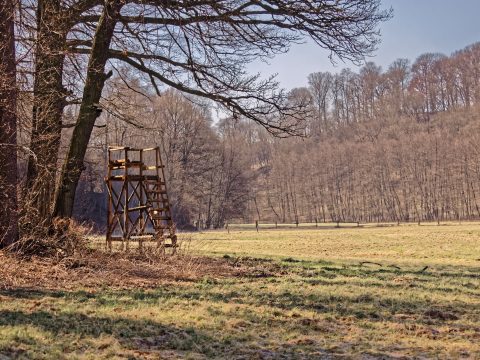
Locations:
(397, 144)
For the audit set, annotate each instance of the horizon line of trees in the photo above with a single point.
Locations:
(394, 145)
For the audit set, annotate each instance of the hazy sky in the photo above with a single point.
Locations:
(417, 27)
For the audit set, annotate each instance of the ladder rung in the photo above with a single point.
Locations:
(141, 207)
(121, 162)
(144, 178)
(122, 167)
(117, 162)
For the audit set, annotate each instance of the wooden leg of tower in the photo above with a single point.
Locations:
(173, 235)
(160, 241)
(174, 243)
(160, 238)
(108, 239)
(126, 222)
(142, 201)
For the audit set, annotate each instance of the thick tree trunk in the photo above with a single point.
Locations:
(49, 102)
(89, 111)
(8, 127)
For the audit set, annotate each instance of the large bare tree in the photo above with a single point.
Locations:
(201, 48)
(48, 23)
(197, 47)
(8, 126)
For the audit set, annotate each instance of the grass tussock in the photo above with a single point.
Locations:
(60, 238)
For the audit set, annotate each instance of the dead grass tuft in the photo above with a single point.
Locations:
(60, 238)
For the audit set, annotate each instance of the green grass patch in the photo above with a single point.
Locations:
(381, 293)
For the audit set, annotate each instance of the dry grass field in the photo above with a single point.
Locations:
(370, 292)
(428, 244)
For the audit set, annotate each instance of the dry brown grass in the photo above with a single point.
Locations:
(58, 238)
(346, 302)
(92, 269)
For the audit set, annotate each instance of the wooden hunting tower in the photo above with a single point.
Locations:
(138, 206)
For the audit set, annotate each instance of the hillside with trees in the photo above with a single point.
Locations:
(397, 144)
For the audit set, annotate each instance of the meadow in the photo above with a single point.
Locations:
(371, 292)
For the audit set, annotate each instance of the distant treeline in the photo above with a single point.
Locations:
(394, 145)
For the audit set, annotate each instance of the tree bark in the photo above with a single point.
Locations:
(89, 111)
(8, 128)
(48, 105)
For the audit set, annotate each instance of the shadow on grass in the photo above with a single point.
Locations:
(33, 294)
(141, 335)
(372, 308)
(147, 336)
(367, 305)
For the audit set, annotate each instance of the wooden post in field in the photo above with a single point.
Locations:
(316, 222)
(256, 224)
(276, 224)
(226, 227)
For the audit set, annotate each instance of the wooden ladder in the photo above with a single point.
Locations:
(159, 210)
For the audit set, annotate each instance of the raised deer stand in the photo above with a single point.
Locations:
(138, 205)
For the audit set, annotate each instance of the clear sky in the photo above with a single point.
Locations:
(417, 27)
